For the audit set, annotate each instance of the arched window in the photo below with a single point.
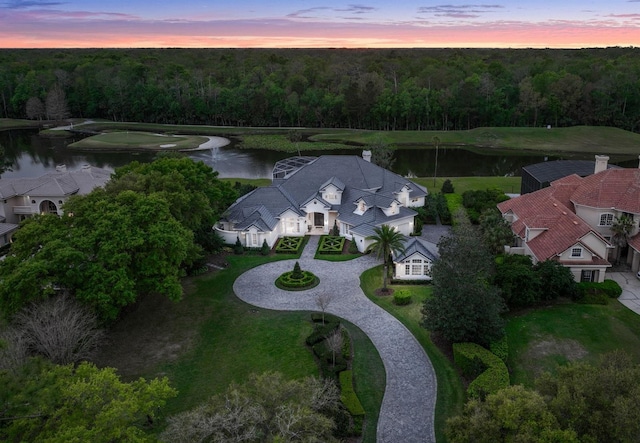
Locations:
(48, 207)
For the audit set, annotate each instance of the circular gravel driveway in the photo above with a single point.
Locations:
(408, 405)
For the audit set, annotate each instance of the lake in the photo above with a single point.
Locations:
(32, 156)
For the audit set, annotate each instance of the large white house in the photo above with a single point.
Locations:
(571, 220)
(312, 195)
(21, 198)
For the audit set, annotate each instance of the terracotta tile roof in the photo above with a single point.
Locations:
(634, 242)
(595, 261)
(613, 188)
(541, 210)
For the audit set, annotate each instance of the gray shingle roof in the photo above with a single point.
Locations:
(417, 245)
(356, 177)
(56, 184)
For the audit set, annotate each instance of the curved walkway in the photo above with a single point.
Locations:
(408, 406)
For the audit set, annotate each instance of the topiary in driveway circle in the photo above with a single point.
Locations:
(297, 280)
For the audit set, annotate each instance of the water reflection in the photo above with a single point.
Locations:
(32, 156)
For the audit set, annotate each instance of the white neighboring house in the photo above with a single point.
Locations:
(416, 260)
(310, 195)
(21, 198)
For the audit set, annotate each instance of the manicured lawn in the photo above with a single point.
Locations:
(138, 140)
(462, 184)
(211, 339)
(12, 123)
(450, 391)
(258, 182)
(542, 338)
(369, 379)
(605, 140)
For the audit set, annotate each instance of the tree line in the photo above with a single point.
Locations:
(381, 89)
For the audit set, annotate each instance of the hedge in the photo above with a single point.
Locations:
(500, 348)
(596, 292)
(402, 297)
(471, 359)
(286, 281)
(331, 245)
(348, 394)
(289, 245)
(322, 331)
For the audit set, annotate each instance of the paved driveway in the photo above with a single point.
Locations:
(408, 406)
(630, 285)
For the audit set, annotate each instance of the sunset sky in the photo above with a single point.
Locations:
(318, 23)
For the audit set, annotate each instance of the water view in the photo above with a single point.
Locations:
(32, 155)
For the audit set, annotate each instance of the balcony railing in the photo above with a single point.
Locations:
(23, 210)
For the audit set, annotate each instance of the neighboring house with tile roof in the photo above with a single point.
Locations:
(21, 198)
(317, 194)
(570, 221)
(416, 260)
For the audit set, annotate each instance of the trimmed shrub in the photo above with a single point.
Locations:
(346, 345)
(402, 297)
(322, 331)
(443, 208)
(331, 245)
(598, 293)
(395, 281)
(353, 247)
(265, 249)
(471, 358)
(297, 272)
(238, 249)
(454, 202)
(289, 245)
(290, 282)
(500, 348)
(447, 187)
(335, 231)
(348, 394)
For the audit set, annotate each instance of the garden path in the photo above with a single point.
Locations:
(408, 406)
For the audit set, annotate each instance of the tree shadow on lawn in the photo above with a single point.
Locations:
(155, 330)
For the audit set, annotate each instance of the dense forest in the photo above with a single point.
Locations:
(390, 89)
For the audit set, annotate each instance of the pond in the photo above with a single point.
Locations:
(32, 156)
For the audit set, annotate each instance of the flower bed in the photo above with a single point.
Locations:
(330, 244)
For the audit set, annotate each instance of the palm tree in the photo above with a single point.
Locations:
(621, 230)
(386, 241)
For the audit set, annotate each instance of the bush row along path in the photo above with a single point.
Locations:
(408, 406)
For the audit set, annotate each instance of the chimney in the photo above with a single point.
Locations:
(366, 155)
(61, 168)
(601, 163)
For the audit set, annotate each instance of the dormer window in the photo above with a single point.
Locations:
(361, 206)
(576, 252)
(330, 196)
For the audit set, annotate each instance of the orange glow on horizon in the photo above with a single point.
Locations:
(517, 36)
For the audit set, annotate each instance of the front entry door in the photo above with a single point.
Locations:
(318, 219)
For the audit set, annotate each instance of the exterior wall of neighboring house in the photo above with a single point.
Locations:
(415, 267)
(20, 207)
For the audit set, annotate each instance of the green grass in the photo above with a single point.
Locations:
(577, 139)
(541, 339)
(601, 139)
(226, 340)
(138, 140)
(369, 379)
(462, 184)
(279, 142)
(450, 390)
(235, 339)
(258, 182)
(12, 123)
